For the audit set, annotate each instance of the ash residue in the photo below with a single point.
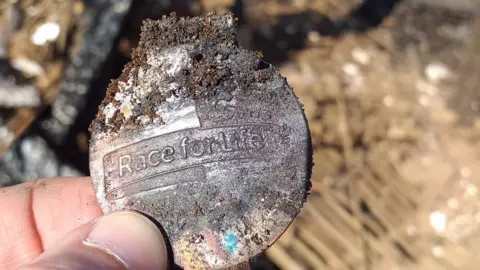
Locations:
(178, 59)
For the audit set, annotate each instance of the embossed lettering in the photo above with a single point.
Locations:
(239, 142)
(256, 140)
(150, 158)
(140, 163)
(209, 145)
(225, 143)
(168, 154)
(183, 145)
(124, 165)
(198, 148)
(209, 142)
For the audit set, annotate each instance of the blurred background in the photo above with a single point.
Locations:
(390, 88)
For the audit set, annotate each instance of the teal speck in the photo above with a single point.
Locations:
(231, 242)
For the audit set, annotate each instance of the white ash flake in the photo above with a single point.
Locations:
(437, 71)
(230, 21)
(109, 111)
(126, 109)
(361, 56)
(28, 67)
(438, 221)
(47, 32)
(438, 251)
(122, 86)
(126, 106)
(171, 61)
(351, 69)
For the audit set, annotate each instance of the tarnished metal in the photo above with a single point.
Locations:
(204, 137)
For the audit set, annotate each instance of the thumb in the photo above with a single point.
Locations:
(122, 240)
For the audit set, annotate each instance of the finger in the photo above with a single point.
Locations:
(36, 215)
(123, 240)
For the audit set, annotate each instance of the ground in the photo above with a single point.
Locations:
(35, 38)
(393, 115)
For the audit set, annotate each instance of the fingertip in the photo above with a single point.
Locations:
(131, 238)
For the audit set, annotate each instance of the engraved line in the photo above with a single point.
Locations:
(162, 188)
(152, 176)
(146, 190)
(173, 171)
(239, 125)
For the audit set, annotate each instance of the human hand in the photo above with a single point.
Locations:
(58, 224)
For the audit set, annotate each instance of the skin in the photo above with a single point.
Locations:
(36, 215)
(47, 224)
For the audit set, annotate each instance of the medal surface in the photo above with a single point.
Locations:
(204, 137)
